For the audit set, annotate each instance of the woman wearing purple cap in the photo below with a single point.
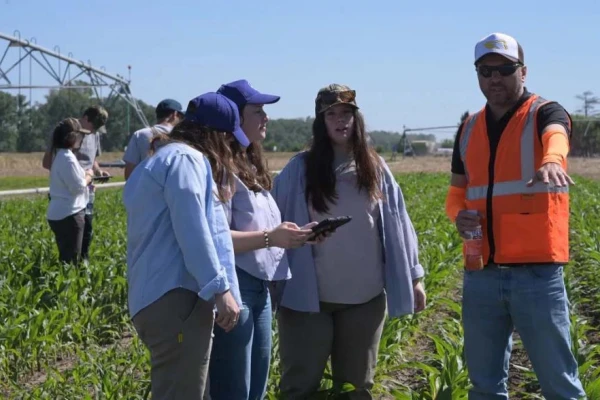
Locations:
(240, 359)
(335, 303)
(180, 261)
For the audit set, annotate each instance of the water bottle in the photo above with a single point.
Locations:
(89, 209)
(474, 248)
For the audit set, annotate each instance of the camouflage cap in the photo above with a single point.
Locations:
(334, 94)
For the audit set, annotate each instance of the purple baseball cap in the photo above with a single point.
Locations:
(241, 93)
(218, 112)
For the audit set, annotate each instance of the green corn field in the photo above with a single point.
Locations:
(65, 331)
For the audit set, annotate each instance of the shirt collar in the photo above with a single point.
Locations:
(524, 97)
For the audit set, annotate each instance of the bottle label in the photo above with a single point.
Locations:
(474, 247)
(473, 255)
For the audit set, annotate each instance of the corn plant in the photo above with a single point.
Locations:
(65, 332)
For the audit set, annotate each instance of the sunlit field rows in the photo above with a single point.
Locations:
(65, 332)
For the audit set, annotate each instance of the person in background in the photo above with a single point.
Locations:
(93, 119)
(335, 303)
(180, 260)
(168, 114)
(239, 366)
(509, 166)
(68, 190)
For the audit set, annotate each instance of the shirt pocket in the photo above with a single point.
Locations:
(244, 201)
(245, 212)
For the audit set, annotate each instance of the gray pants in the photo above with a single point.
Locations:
(349, 333)
(177, 329)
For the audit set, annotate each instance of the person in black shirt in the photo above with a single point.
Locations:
(523, 295)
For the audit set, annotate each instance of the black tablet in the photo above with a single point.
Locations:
(101, 179)
(329, 224)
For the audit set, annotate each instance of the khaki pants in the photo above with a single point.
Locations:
(177, 329)
(349, 333)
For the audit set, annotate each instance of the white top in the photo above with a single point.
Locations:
(68, 188)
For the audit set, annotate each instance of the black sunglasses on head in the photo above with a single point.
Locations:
(504, 70)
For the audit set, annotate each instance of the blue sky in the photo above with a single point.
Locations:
(411, 62)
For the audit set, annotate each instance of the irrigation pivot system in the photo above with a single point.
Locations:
(59, 72)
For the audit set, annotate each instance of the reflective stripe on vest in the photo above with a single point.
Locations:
(527, 161)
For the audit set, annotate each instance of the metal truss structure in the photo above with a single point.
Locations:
(61, 72)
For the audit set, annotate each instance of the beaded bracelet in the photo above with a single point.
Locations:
(266, 239)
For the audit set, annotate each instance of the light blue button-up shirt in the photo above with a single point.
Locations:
(249, 211)
(401, 257)
(177, 233)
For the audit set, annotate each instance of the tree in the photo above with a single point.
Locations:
(589, 102)
(464, 116)
(9, 121)
(117, 135)
(447, 144)
(26, 128)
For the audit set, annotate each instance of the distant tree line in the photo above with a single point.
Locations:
(26, 128)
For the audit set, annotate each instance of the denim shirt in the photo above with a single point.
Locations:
(401, 258)
(249, 211)
(177, 234)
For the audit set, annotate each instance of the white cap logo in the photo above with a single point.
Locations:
(498, 43)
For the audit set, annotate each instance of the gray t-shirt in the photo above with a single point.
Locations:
(89, 150)
(349, 263)
(139, 143)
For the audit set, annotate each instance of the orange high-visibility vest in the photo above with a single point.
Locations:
(530, 224)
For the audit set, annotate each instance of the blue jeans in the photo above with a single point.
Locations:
(239, 365)
(531, 299)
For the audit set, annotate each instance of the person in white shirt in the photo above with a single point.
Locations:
(92, 121)
(68, 190)
(168, 114)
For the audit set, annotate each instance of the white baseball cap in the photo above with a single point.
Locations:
(498, 43)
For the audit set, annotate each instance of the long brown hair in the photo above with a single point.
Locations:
(320, 175)
(211, 143)
(252, 167)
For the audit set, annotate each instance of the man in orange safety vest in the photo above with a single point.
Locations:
(509, 179)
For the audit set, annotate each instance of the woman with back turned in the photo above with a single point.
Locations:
(179, 250)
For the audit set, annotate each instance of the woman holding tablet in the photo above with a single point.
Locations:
(335, 303)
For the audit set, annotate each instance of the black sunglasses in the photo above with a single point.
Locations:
(504, 70)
